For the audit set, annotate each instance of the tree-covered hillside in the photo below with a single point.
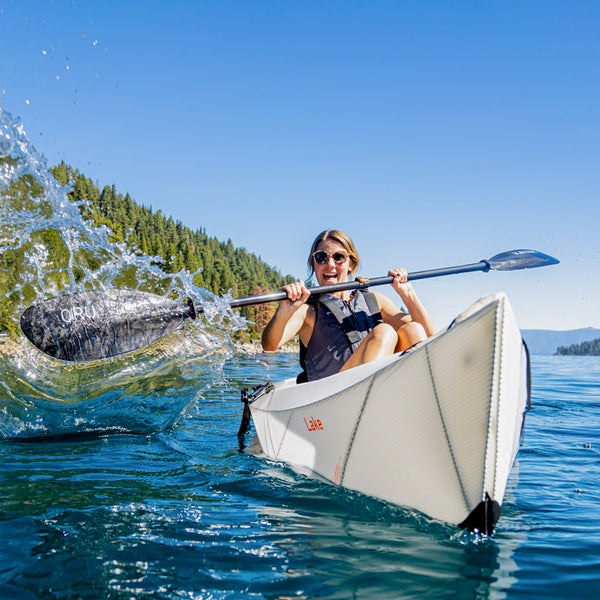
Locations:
(221, 267)
(218, 266)
(224, 267)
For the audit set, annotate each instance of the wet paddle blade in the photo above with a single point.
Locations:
(100, 324)
(514, 260)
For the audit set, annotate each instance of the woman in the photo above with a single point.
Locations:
(342, 330)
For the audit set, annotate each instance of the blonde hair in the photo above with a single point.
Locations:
(341, 238)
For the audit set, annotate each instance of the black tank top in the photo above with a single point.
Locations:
(340, 326)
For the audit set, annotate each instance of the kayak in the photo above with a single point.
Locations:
(435, 429)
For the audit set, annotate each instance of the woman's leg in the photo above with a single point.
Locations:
(380, 342)
(409, 335)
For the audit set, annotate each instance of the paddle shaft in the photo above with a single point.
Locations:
(356, 284)
(512, 260)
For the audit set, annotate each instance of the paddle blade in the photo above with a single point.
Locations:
(514, 260)
(100, 324)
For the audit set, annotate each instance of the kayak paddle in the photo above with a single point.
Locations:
(107, 323)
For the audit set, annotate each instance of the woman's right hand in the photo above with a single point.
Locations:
(297, 293)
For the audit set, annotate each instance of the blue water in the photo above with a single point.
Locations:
(188, 513)
(181, 509)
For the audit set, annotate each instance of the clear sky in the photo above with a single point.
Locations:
(435, 133)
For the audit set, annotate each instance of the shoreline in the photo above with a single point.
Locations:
(256, 348)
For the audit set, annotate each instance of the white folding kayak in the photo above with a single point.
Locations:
(435, 429)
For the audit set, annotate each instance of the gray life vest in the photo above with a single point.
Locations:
(340, 327)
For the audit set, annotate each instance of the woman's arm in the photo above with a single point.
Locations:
(289, 318)
(416, 311)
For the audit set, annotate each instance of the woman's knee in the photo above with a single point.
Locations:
(409, 335)
(385, 334)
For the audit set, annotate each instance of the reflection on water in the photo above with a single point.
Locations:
(48, 249)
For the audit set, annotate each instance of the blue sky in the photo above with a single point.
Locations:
(434, 133)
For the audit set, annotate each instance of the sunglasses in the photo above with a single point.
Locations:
(321, 257)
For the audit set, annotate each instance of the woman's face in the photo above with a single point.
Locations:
(336, 263)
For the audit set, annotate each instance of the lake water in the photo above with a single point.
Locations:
(188, 513)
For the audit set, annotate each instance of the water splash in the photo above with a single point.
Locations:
(47, 249)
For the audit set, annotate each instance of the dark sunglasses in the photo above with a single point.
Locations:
(321, 257)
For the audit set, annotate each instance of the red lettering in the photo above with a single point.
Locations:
(313, 424)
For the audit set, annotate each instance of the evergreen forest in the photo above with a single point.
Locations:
(218, 266)
(591, 348)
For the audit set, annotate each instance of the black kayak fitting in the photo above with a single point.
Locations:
(483, 517)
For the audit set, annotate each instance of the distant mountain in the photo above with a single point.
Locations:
(546, 341)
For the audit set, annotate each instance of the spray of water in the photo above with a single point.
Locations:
(48, 249)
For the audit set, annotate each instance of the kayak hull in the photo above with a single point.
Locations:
(436, 429)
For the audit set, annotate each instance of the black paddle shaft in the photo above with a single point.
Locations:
(357, 284)
(506, 261)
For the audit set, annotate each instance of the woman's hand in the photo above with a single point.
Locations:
(416, 310)
(400, 283)
(297, 294)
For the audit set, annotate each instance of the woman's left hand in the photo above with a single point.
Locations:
(400, 283)
(416, 310)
